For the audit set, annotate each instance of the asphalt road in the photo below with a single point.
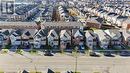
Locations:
(16, 63)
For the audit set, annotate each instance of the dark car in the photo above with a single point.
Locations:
(108, 54)
(48, 53)
(124, 53)
(94, 54)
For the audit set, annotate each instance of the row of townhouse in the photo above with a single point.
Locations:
(47, 13)
(66, 38)
(20, 12)
(17, 37)
(122, 10)
(40, 38)
(107, 39)
(112, 17)
(63, 14)
(62, 39)
(66, 13)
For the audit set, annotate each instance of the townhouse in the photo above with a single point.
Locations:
(126, 24)
(127, 12)
(16, 39)
(53, 38)
(117, 10)
(120, 20)
(78, 38)
(99, 12)
(47, 13)
(27, 37)
(93, 10)
(65, 39)
(110, 15)
(116, 37)
(126, 35)
(40, 39)
(114, 18)
(102, 14)
(89, 39)
(1, 39)
(7, 33)
(103, 39)
(37, 41)
(63, 13)
(106, 15)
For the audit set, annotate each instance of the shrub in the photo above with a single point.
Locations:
(1, 72)
(57, 72)
(4, 51)
(35, 72)
(96, 72)
(19, 51)
(33, 51)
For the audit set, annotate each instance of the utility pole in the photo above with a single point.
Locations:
(76, 59)
(76, 62)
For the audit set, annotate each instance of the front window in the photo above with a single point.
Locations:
(89, 40)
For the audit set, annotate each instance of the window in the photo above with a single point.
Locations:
(89, 40)
(65, 36)
(52, 35)
(90, 44)
(0, 38)
(7, 7)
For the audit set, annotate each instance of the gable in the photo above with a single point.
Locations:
(42, 33)
(65, 35)
(52, 34)
(87, 34)
(113, 33)
(78, 33)
(27, 33)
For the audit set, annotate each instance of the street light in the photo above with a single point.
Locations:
(76, 58)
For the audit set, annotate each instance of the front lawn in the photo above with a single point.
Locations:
(75, 53)
(76, 72)
(19, 51)
(34, 72)
(57, 72)
(128, 48)
(4, 51)
(96, 72)
(1, 72)
(33, 51)
(94, 28)
(116, 48)
(100, 49)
